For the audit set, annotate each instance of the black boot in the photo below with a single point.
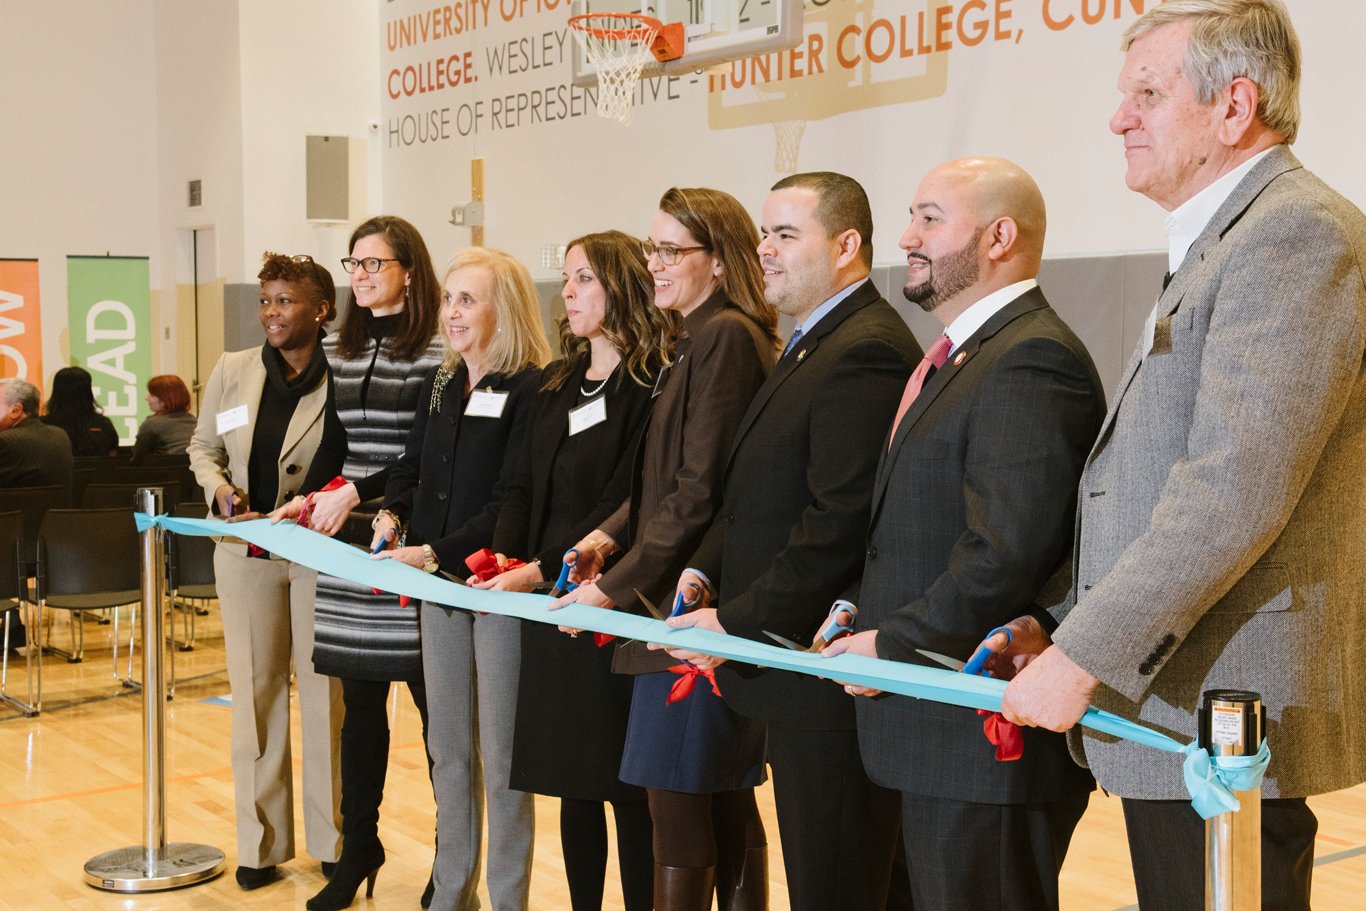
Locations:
(353, 867)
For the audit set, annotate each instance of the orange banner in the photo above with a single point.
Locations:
(21, 322)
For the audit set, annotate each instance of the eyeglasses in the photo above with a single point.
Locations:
(669, 254)
(370, 264)
(301, 258)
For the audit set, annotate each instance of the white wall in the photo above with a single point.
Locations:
(79, 161)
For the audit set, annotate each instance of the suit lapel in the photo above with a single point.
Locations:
(1189, 275)
(1031, 300)
(861, 297)
(237, 442)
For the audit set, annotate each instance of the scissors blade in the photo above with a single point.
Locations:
(952, 664)
(785, 642)
(649, 606)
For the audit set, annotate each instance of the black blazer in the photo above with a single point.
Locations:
(972, 513)
(35, 454)
(787, 539)
(447, 484)
(600, 483)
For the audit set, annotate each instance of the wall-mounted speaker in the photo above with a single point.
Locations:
(335, 168)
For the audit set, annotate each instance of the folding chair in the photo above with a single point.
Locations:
(14, 588)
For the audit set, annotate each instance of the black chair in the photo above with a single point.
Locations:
(175, 477)
(88, 559)
(33, 502)
(124, 495)
(14, 589)
(190, 575)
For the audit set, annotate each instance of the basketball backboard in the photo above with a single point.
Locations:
(716, 30)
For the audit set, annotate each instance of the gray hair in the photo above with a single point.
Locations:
(21, 391)
(1231, 38)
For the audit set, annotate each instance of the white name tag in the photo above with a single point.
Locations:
(587, 415)
(485, 403)
(232, 419)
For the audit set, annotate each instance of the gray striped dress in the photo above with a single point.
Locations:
(358, 634)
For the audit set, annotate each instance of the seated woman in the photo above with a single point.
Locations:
(168, 428)
(576, 471)
(72, 407)
(470, 428)
(268, 432)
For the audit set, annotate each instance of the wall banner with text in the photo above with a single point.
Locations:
(21, 323)
(109, 306)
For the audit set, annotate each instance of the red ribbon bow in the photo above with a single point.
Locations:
(1005, 735)
(485, 566)
(687, 679)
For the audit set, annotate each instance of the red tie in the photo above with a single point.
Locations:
(936, 356)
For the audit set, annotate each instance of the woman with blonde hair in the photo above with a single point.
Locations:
(440, 506)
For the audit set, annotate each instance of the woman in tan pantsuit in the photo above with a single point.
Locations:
(268, 432)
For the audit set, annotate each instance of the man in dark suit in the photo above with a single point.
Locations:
(32, 453)
(786, 541)
(972, 513)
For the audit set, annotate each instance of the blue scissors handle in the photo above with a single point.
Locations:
(681, 604)
(380, 546)
(979, 657)
(562, 583)
(833, 628)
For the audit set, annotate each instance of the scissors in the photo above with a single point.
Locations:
(562, 584)
(835, 627)
(976, 662)
(681, 604)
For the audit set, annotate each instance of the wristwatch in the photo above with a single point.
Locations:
(429, 564)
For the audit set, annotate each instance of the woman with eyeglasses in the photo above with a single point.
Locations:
(698, 760)
(571, 708)
(268, 432)
(441, 506)
(385, 348)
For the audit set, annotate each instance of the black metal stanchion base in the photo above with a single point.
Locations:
(126, 869)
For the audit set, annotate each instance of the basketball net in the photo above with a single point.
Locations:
(789, 142)
(618, 48)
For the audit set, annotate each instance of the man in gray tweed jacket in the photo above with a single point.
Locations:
(1219, 537)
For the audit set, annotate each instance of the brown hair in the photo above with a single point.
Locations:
(168, 387)
(279, 267)
(520, 340)
(841, 204)
(721, 225)
(635, 327)
(422, 297)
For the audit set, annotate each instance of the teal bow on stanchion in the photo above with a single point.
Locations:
(1210, 781)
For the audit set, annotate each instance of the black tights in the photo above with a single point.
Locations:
(704, 830)
(583, 836)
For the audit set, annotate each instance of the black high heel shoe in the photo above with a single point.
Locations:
(352, 868)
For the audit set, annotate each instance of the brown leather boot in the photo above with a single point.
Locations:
(684, 888)
(748, 891)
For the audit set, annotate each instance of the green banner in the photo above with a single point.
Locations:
(109, 309)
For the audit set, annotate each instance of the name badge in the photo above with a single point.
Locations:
(232, 419)
(587, 415)
(485, 403)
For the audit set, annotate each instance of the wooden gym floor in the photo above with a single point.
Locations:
(71, 788)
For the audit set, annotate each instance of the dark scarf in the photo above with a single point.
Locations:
(301, 385)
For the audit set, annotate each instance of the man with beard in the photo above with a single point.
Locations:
(787, 539)
(972, 514)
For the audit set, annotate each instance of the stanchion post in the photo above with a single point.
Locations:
(153, 865)
(1232, 723)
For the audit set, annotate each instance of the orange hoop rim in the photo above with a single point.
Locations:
(649, 26)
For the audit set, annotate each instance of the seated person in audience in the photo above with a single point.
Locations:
(168, 428)
(32, 454)
(72, 408)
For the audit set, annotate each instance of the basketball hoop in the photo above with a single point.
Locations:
(617, 46)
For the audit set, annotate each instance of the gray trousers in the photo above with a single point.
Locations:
(267, 608)
(471, 667)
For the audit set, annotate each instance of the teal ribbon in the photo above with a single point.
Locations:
(1211, 781)
(327, 555)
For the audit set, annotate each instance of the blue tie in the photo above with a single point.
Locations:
(792, 342)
